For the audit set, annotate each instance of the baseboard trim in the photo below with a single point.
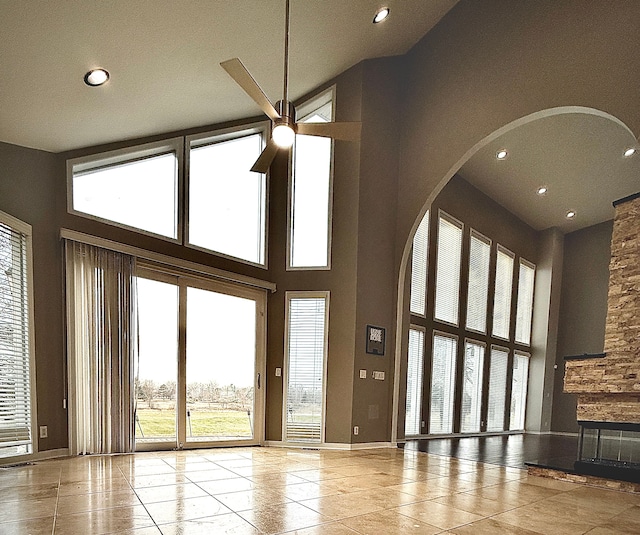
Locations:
(39, 456)
(330, 445)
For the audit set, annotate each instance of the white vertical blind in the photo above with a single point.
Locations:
(519, 391)
(443, 381)
(497, 388)
(478, 288)
(310, 196)
(419, 266)
(305, 352)
(448, 269)
(472, 387)
(15, 354)
(502, 295)
(524, 309)
(414, 382)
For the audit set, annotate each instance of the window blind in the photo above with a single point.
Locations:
(502, 295)
(519, 391)
(497, 388)
(479, 256)
(443, 378)
(414, 382)
(15, 354)
(472, 387)
(524, 309)
(306, 343)
(419, 259)
(448, 270)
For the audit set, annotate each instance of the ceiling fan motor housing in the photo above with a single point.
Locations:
(287, 112)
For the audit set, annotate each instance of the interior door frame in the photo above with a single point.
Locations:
(259, 296)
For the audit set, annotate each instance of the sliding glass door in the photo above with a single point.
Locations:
(201, 359)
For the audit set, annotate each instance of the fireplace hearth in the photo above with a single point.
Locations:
(609, 450)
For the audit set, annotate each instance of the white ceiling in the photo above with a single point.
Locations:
(164, 55)
(578, 156)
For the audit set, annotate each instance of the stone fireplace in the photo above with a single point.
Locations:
(608, 385)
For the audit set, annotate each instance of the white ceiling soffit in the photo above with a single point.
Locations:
(578, 156)
(164, 55)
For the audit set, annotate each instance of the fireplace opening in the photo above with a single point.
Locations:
(609, 450)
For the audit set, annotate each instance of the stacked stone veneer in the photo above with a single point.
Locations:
(609, 388)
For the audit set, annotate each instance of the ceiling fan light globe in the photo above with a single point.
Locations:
(283, 136)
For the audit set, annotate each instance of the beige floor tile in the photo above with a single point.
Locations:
(276, 479)
(227, 523)
(99, 500)
(626, 522)
(89, 486)
(13, 493)
(530, 519)
(211, 475)
(248, 499)
(389, 522)
(489, 526)
(341, 506)
(333, 528)
(224, 486)
(346, 485)
(120, 519)
(187, 509)
(169, 493)
(284, 517)
(474, 504)
(141, 482)
(25, 509)
(425, 490)
(306, 491)
(32, 526)
(437, 514)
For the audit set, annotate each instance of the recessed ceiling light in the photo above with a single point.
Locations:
(96, 77)
(381, 15)
(542, 190)
(502, 154)
(630, 152)
(571, 214)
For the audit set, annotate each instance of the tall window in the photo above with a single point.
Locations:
(305, 354)
(478, 287)
(497, 388)
(502, 295)
(524, 309)
(414, 382)
(472, 387)
(310, 191)
(15, 338)
(519, 391)
(448, 269)
(443, 375)
(419, 266)
(136, 187)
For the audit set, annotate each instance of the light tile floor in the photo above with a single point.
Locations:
(273, 490)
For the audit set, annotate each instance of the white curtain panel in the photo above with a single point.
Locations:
(102, 346)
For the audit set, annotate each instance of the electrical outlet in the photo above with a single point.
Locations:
(363, 374)
(356, 429)
(378, 375)
(44, 432)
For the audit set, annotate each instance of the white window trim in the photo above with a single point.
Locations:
(444, 215)
(423, 330)
(532, 266)
(302, 110)
(473, 341)
(455, 337)
(130, 154)
(423, 314)
(481, 237)
(517, 352)
(26, 229)
(285, 366)
(501, 248)
(218, 136)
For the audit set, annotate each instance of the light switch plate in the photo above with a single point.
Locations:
(278, 372)
(378, 375)
(363, 374)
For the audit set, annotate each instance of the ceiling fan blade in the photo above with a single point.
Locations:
(236, 69)
(343, 131)
(264, 160)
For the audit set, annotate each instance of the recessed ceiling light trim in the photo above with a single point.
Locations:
(571, 214)
(630, 151)
(542, 190)
(96, 77)
(381, 14)
(502, 154)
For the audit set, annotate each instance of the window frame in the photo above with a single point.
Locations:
(219, 136)
(532, 266)
(456, 222)
(420, 390)
(487, 241)
(479, 388)
(507, 352)
(517, 353)
(307, 107)
(444, 334)
(24, 228)
(326, 295)
(426, 221)
(504, 250)
(134, 153)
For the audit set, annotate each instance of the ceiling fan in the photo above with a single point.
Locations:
(283, 114)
